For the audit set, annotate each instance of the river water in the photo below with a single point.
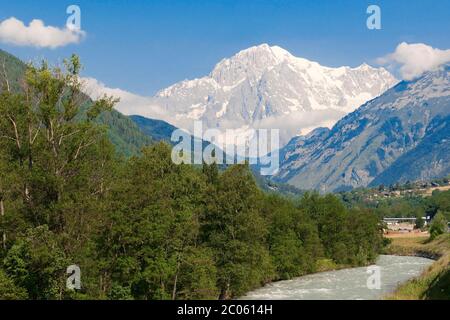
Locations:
(345, 284)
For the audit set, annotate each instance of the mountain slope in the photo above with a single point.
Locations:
(401, 135)
(430, 159)
(122, 131)
(13, 68)
(156, 129)
(265, 86)
(160, 130)
(124, 134)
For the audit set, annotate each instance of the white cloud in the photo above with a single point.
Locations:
(301, 123)
(291, 125)
(129, 104)
(416, 58)
(37, 34)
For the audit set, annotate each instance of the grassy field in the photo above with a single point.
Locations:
(434, 282)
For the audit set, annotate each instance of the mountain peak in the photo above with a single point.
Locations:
(264, 49)
(364, 66)
(250, 63)
(266, 86)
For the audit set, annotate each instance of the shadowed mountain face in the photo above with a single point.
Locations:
(157, 129)
(402, 135)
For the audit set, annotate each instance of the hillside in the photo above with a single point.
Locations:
(122, 131)
(157, 129)
(403, 135)
(433, 283)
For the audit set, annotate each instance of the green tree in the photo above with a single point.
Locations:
(37, 263)
(438, 225)
(364, 240)
(153, 227)
(57, 163)
(330, 215)
(143, 227)
(420, 222)
(9, 290)
(293, 239)
(234, 229)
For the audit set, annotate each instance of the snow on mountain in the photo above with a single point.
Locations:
(267, 87)
(402, 135)
(261, 87)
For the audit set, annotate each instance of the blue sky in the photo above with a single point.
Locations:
(143, 46)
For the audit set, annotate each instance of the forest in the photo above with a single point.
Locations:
(142, 227)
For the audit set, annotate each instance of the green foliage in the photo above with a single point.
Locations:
(293, 238)
(420, 222)
(412, 206)
(157, 129)
(123, 133)
(199, 276)
(118, 292)
(154, 226)
(55, 173)
(9, 290)
(211, 172)
(438, 225)
(440, 201)
(234, 229)
(37, 263)
(348, 236)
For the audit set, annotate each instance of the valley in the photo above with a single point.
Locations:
(192, 158)
(160, 230)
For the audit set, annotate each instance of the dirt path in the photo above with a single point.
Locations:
(406, 234)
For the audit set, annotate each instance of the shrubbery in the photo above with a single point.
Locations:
(438, 225)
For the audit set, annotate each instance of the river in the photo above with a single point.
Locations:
(345, 284)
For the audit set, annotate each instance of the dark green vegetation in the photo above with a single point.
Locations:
(123, 133)
(438, 226)
(157, 129)
(143, 227)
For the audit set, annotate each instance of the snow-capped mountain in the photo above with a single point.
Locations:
(402, 135)
(267, 87)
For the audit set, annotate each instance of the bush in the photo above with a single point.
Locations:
(438, 225)
(420, 223)
(9, 290)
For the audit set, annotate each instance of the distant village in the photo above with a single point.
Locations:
(417, 188)
(400, 222)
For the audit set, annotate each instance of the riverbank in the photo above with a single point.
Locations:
(344, 284)
(434, 282)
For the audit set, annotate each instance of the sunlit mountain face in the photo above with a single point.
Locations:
(402, 135)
